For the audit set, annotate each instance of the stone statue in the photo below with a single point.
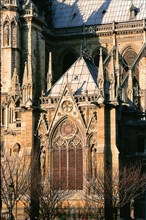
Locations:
(43, 162)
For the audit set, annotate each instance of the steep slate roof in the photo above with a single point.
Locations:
(81, 77)
(73, 13)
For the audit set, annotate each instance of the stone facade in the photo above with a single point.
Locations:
(42, 106)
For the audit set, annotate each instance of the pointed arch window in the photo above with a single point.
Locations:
(68, 59)
(129, 57)
(67, 157)
(6, 34)
(16, 148)
(14, 34)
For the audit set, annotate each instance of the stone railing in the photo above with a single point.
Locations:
(102, 28)
(79, 99)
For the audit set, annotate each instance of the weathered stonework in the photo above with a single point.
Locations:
(87, 122)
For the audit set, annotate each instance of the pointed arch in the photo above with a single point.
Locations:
(96, 55)
(68, 59)
(16, 148)
(14, 33)
(129, 55)
(67, 155)
(6, 32)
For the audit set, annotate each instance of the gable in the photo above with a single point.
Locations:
(82, 78)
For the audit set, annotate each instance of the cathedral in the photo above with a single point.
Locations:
(73, 87)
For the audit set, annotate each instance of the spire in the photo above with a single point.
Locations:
(49, 74)
(15, 76)
(15, 86)
(100, 78)
(29, 69)
(25, 75)
(27, 83)
(66, 79)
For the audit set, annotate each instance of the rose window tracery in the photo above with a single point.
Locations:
(67, 129)
(67, 106)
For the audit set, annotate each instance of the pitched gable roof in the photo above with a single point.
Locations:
(82, 78)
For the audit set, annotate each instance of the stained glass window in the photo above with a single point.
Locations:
(67, 157)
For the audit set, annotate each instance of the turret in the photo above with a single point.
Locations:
(33, 55)
(10, 54)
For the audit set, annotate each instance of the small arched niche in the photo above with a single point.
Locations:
(16, 148)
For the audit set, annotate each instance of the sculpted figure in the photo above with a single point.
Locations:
(42, 163)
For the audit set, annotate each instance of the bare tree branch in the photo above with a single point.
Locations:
(16, 171)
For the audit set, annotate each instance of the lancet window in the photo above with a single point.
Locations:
(14, 34)
(6, 34)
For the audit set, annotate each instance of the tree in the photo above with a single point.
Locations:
(50, 198)
(115, 188)
(16, 180)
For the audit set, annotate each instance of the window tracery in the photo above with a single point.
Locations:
(129, 57)
(67, 156)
